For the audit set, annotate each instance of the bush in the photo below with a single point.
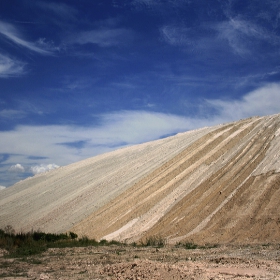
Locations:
(26, 244)
(73, 235)
(190, 246)
(155, 240)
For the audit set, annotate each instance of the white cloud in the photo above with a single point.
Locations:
(10, 32)
(61, 143)
(2, 188)
(17, 168)
(42, 168)
(262, 101)
(10, 67)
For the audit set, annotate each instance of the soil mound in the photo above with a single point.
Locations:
(217, 184)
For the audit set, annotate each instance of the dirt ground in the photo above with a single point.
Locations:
(127, 262)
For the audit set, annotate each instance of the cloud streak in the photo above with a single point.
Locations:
(60, 9)
(241, 34)
(12, 114)
(104, 37)
(10, 67)
(234, 34)
(11, 33)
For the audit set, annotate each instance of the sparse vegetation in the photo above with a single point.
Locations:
(128, 260)
(36, 242)
(155, 240)
(190, 245)
(22, 245)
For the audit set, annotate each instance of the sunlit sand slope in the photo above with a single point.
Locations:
(217, 184)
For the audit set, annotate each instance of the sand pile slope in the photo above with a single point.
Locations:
(216, 184)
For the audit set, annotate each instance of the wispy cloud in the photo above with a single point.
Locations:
(104, 37)
(235, 34)
(11, 114)
(11, 33)
(175, 35)
(262, 11)
(10, 67)
(242, 34)
(199, 40)
(60, 9)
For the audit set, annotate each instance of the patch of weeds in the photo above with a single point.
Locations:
(103, 242)
(115, 242)
(81, 242)
(190, 245)
(26, 250)
(134, 244)
(155, 241)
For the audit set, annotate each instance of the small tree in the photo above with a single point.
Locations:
(73, 235)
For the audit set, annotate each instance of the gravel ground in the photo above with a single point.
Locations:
(127, 262)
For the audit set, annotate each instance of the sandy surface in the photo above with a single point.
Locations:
(212, 191)
(216, 185)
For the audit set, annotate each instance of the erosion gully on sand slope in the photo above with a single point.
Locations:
(211, 203)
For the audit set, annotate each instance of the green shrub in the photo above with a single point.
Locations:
(190, 245)
(73, 235)
(155, 240)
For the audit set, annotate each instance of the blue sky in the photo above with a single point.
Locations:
(80, 78)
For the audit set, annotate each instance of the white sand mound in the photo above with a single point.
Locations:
(215, 184)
